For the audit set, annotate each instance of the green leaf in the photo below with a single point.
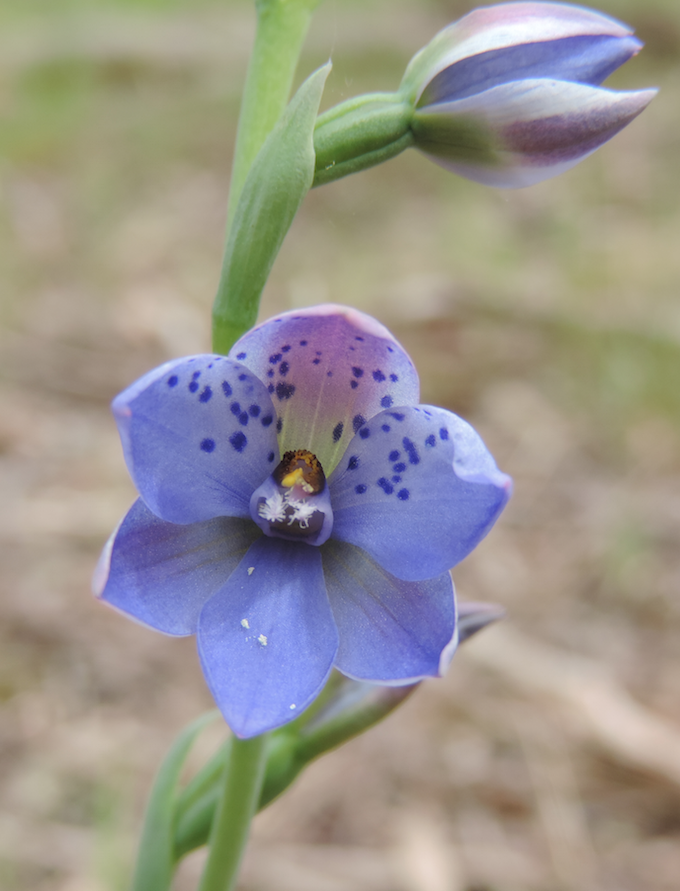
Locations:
(275, 187)
(156, 860)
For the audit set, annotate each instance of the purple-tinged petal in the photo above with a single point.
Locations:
(502, 26)
(162, 574)
(473, 617)
(267, 639)
(587, 59)
(418, 490)
(520, 133)
(391, 631)
(199, 434)
(328, 368)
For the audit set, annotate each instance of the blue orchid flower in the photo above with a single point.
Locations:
(510, 95)
(298, 511)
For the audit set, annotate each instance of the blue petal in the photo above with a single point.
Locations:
(504, 26)
(391, 631)
(328, 368)
(267, 639)
(198, 435)
(418, 490)
(587, 59)
(162, 574)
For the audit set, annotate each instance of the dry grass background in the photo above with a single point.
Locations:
(549, 758)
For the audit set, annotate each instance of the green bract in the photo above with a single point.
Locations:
(276, 185)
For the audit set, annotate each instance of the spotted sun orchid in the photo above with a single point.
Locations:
(298, 511)
(510, 95)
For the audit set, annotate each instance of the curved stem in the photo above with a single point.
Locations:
(241, 786)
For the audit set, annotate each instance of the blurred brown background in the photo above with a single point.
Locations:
(549, 758)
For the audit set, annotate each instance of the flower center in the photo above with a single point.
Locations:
(294, 502)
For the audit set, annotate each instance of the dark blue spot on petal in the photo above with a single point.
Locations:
(385, 428)
(337, 431)
(378, 375)
(318, 352)
(359, 338)
(303, 343)
(235, 408)
(386, 485)
(226, 389)
(275, 358)
(353, 463)
(270, 388)
(284, 368)
(243, 377)
(394, 378)
(444, 434)
(316, 361)
(173, 380)
(254, 411)
(195, 375)
(389, 349)
(243, 418)
(364, 433)
(403, 494)
(394, 455)
(266, 420)
(270, 373)
(411, 450)
(284, 391)
(430, 441)
(354, 384)
(270, 457)
(206, 395)
(193, 386)
(286, 348)
(358, 421)
(396, 478)
(241, 356)
(279, 425)
(397, 415)
(238, 441)
(386, 401)
(360, 489)
(399, 468)
(357, 372)
(329, 374)
(208, 445)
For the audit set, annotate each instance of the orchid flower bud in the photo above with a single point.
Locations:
(510, 95)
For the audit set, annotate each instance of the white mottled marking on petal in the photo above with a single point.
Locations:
(245, 623)
(263, 640)
(251, 570)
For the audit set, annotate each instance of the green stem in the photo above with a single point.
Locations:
(360, 133)
(281, 29)
(241, 786)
